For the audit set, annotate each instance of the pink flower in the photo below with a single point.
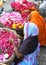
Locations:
(5, 45)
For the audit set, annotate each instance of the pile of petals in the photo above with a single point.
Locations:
(18, 6)
(30, 5)
(25, 5)
(6, 46)
(9, 18)
(22, 6)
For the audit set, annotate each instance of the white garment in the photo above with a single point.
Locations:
(32, 29)
(43, 5)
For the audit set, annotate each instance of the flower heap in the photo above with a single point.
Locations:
(8, 19)
(23, 5)
(6, 46)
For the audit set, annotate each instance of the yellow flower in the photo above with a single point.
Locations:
(14, 26)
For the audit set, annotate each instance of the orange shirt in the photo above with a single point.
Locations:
(39, 21)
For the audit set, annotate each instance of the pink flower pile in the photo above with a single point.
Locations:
(18, 6)
(29, 4)
(24, 6)
(6, 46)
(9, 18)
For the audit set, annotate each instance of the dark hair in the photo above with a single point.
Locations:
(19, 31)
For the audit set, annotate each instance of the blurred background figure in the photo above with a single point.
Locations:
(1, 6)
(4, 1)
(42, 8)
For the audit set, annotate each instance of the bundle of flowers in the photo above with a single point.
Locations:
(22, 6)
(17, 6)
(6, 44)
(30, 5)
(8, 19)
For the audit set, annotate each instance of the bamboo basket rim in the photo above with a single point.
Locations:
(8, 60)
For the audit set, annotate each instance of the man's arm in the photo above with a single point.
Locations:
(19, 55)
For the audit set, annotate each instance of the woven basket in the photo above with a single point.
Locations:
(9, 60)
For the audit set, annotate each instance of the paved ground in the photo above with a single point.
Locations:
(7, 6)
(42, 55)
